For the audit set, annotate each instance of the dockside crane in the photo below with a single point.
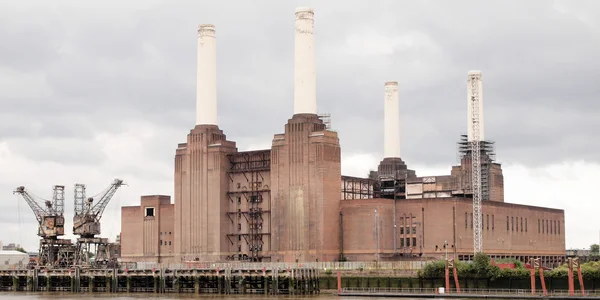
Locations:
(50, 217)
(86, 224)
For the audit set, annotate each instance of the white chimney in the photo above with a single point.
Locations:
(305, 93)
(474, 77)
(391, 121)
(206, 76)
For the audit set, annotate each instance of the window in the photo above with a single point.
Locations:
(401, 230)
(407, 242)
(525, 224)
(414, 242)
(538, 226)
(512, 224)
(507, 224)
(521, 224)
(401, 242)
(466, 221)
(558, 227)
(517, 225)
(161, 242)
(169, 243)
(149, 212)
(471, 220)
(487, 220)
(546, 226)
(543, 228)
(551, 227)
(493, 222)
(555, 227)
(414, 230)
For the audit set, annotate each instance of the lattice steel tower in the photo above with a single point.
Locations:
(476, 118)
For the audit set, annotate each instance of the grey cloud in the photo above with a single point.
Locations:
(62, 151)
(140, 64)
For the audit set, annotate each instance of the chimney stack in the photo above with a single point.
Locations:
(305, 93)
(474, 77)
(206, 76)
(391, 121)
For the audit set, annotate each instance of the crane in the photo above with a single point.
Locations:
(474, 87)
(86, 223)
(53, 251)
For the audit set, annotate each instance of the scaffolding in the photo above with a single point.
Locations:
(487, 157)
(252, 165)
(358, 188)
(326, 118)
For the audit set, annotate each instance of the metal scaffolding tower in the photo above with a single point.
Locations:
(474, 81)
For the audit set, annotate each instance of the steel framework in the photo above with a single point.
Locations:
(487, 156)
(474, 84)
(250, 164)
(53, 252)
(86, 225)
(358, 188)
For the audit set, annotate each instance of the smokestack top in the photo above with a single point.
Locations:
(392, 83)
(474, 72)
(304, 9)
(206, 30)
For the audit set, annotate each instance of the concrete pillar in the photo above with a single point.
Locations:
(206, 85)
(391, 121)
(305, 92)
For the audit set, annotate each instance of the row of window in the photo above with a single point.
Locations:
(551, 226)
(512, 224)
(165, 243)
(485, 222)
(408, 242)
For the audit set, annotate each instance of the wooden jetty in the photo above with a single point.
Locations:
(292, 281)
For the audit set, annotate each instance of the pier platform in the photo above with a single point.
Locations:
(291, 281)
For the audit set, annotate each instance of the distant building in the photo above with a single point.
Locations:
(11, 247)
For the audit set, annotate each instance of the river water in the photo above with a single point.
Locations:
(53, 296)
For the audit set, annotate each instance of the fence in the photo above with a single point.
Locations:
(490, 292)
(354, 265)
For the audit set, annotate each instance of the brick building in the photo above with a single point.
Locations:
(291, 203)
(147, 230)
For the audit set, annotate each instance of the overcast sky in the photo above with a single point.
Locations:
(91, 91)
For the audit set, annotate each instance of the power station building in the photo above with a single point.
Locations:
(290, 203)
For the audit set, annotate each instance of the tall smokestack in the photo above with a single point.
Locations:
(206, 85)
(474, 82)
(391, 121)
(305, 93)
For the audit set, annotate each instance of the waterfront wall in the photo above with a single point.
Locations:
(370, 281)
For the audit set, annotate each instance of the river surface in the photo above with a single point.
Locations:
(53, 296)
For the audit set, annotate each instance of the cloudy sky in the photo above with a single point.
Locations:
(92, 91)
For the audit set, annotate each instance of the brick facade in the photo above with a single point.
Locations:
(147, 232)
(424, 224)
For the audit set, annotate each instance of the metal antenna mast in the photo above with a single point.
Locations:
(474, 85)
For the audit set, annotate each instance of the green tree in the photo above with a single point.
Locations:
(595, 249)
(20, 249)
